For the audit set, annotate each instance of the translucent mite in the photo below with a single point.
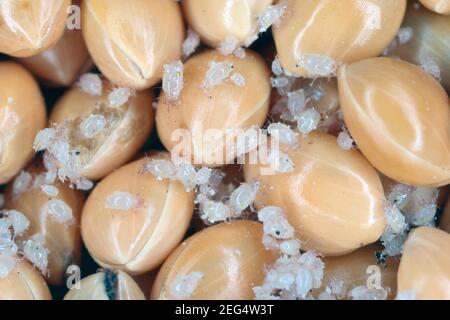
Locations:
(92, 125)
(91, 84)
(238, 79)
(243, 197)
(50, 190)
(120, 200)
(35, 251)
(430, 66)
(184, 286)
(308, 120)
(317, 65)
(172, 82)
(344, 141)
(283, 133)
(272, 15)
(217, 73)
(60, 211)
(228, 46)
(119, 96)
(191, 43)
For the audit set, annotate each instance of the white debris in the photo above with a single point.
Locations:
(44, 139)
(272, 15)
(282, 133)
(364, 293)
(35, 251)
(393, 242)
(91, 84)
(228, 46)
(308, 120)
(344, 141)
(92, 125)
(191, 43)
(240, 53)
(119, 200)
(50, 190)
(395, 219)
(22, 183)
(326, 296)
(217, 73)
(119, 96)
(425, 216)
(405, 35)
(399, 196)
(280, 162)
(317, 65)
(184, 286)
(172, 83)
(338, 288)
(406, 295)
(238, 79)
(430, 66)
(248, 141)
(7, 265)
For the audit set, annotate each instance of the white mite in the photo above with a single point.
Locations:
(119, 96)
(44, 139)
(283, 133)
(317, 65)
(216, 73)
(344, 141)
(191, 43)
(184, 286)
(91, 84)
(243, 197)
(228, 46)
(214, 211)
(277, 68)
(271, 16)
(60, 211)
(172, 83)
(238, 79)
(35, 251)
(22, 183)
(122, 201)
(92, 125)
(308, 120)
(50, 190)
(161, 169)
(18, 221)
